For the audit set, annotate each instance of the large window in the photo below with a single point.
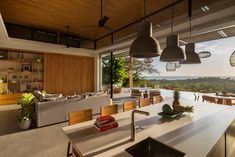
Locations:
(214, 74)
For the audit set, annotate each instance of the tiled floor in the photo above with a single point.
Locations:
(43, 142)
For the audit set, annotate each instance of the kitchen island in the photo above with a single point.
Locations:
(200, 134)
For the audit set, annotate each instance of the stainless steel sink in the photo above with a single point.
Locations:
(152, 148)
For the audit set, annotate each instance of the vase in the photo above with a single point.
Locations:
(25, 125)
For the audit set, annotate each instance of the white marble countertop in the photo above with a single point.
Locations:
(193, 134)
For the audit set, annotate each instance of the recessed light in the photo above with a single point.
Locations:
(205, 8)
(224, 35)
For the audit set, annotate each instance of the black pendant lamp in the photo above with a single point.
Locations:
(172, 52)
(144, 46)
(191, 56)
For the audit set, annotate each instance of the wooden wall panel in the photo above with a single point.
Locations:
(68, 74)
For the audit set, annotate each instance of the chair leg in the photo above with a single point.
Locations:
(68, 150)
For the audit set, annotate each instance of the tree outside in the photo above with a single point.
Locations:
(120, 73)
(121, 70)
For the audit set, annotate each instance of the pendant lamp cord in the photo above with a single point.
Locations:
(144, 7)
(190, 17)
(101, 9)
(172, 10)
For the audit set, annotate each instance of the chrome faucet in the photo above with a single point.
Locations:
(133, 126)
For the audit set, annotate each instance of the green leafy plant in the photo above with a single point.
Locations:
(38, 60)
(1, 84)
(27, 110)
(118, 68)
(188, 109)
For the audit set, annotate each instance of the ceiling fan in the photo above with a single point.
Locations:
(103, 20)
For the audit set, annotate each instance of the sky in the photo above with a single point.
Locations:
(216, 65)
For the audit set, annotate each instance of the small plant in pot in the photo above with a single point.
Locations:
(26, 113)
(1, 86)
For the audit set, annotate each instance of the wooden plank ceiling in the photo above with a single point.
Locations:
(55, 15)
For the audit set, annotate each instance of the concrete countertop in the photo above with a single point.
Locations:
(194, 134)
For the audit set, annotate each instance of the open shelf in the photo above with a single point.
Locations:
(21, 71)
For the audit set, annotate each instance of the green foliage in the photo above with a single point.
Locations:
(202, 85)
(140, 68)
(27, 110)
(1, 85)
(119, 71)
(3, 79)
(188, 109)
(38, 60)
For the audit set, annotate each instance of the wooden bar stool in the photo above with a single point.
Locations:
(129, 105)
(224, 101)
(156, 99)
(108, 110)
(78, 117)
(144, 102)
(209, 99)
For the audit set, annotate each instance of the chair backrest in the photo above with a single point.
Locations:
(224, 101)
(220, 101)
(129, 105)
(228, 102)
(144, 102)
(154, 93)
(156, 99)
(209, 99)
(108, 110)
(80, 116)
(135, 93)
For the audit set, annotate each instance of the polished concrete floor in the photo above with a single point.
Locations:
(42, 142)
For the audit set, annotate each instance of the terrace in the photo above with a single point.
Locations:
(68, 66)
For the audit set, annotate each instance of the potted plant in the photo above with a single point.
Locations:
(1, 84)
(26, 113)
(38, 62)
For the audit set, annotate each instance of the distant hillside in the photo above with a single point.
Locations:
(202, 84)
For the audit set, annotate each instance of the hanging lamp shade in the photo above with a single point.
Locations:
(170, 66)
(172, 52)
(145, 46)
(191, 56)
(232, 59)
